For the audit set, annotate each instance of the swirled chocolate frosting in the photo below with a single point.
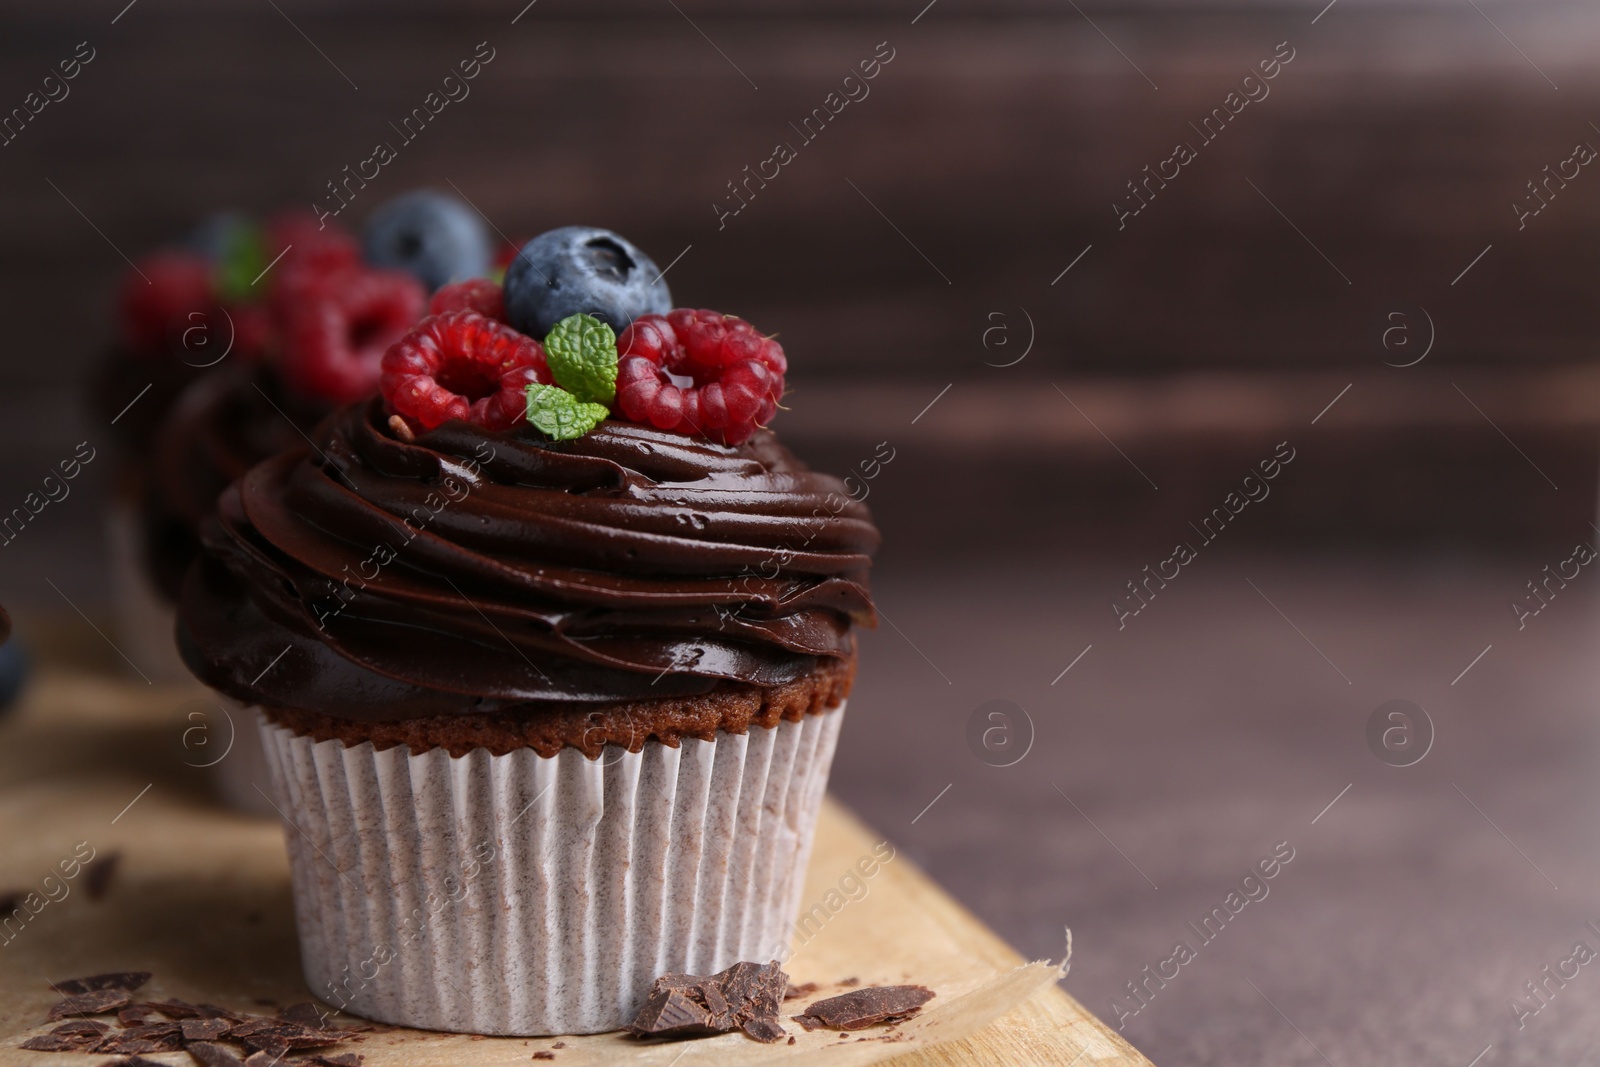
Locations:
(466, 571)
(217, 429)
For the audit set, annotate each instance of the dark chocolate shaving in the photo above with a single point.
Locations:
(743, 997)
(97, 876)
(795, 991)
(343, 1059)
(97, 1002)
(305, 1013)
(861, 1008)
(205, 1029)
(280, 1035)
(209, 1055)
(57, 1042)
(125, 980)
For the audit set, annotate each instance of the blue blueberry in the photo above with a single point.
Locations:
(217, 235)
(13, 672)
(435, 237)
(582, 270)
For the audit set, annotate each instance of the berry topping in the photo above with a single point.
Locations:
(435, 237)
(475, 294)
(338, 327)
(736, 374)
(155, 313)
(581, 270)
(461, 365)
(309, 248)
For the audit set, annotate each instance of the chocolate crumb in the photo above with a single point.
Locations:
(791, 1039)
(862, 1008)
(205, 1029)
(97, 876)
(796, 991)
(743, 997)
(209, 1055)
(125, 980)
(544, 1055)
(559, 1044)
(97, 1002)
(848, 982)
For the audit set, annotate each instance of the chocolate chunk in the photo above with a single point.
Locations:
(97, 876)
(743, 997)
(96, 1002)
(764, 1030)
(205, 1029)
(862, 1008)
(128, 980)
(209, 1055)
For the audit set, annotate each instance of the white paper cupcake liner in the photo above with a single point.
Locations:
(520, 895)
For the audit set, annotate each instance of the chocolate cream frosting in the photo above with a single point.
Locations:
(374, 579)
(217, 429)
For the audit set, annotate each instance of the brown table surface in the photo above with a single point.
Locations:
(1211, 729)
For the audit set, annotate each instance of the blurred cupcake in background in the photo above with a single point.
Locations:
(332, 312)
(242, 340)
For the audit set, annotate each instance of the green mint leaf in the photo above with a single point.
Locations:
(559, 414)
(582, 352)
(244, 257)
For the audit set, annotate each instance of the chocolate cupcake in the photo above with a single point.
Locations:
(551, 651)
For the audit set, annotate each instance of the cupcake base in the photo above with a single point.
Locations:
(519, 894)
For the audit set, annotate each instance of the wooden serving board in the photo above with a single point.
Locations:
(200, 896)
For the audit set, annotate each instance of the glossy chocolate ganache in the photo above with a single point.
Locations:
(467, 571)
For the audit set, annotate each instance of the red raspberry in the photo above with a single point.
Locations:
(336, 333)
(475, 294)
(504, 254)
(461, 365)
(314, 248)
(737, 374)
(155, 313)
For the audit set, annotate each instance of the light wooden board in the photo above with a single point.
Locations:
(201, 897)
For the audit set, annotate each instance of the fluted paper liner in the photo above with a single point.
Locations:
(523, 895)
